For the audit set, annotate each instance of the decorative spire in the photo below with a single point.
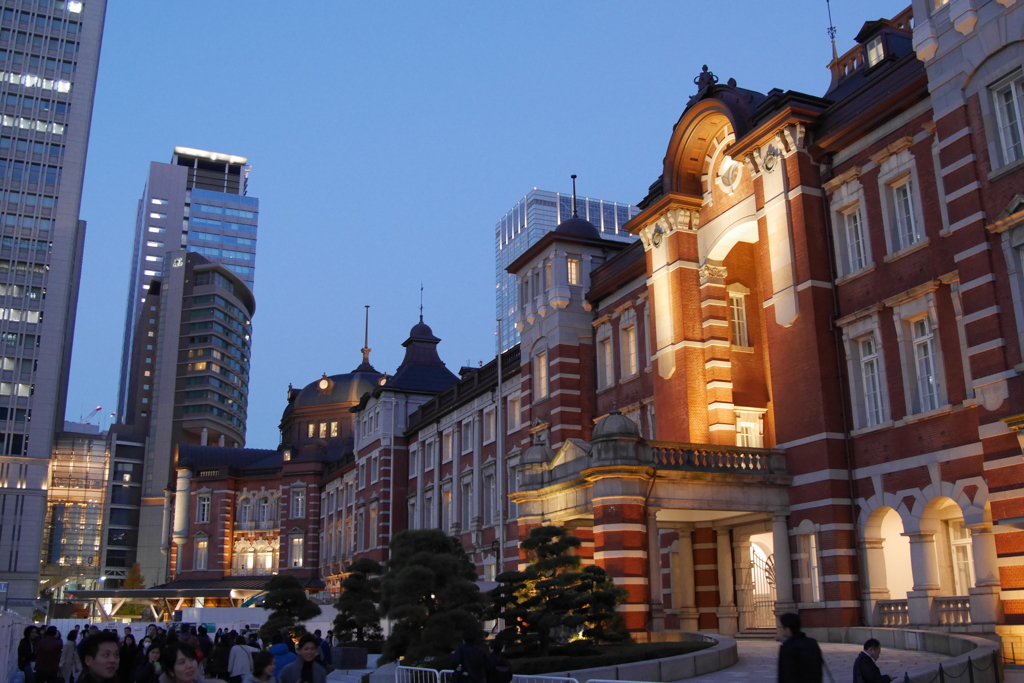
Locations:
(366, 338)
(831, 31)
(421, 302)
(573, 176)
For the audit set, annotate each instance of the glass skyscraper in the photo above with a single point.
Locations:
(536, 214)
(49, 55)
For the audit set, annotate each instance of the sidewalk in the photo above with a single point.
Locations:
(758, 662)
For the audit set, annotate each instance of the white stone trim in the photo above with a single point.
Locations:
(811, 439)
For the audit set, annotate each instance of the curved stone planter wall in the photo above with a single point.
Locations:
(719, 656)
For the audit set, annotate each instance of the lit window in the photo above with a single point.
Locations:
(203, 509)
(869, 370)
(446, 507)
(154, 259)
(924, 365)
(573, 268)
(75, 6)
(151, 273)
(875, 51)
(856, 245)
(1009, 99)
(154, 214)
(323, 430)
(540, 375)
(156, 230)
(738, 320)
(446, 447)
(310, 430)
(296, 551)
(298, 504)
(749, 429)
(939, 4)
(158, 202)
(334, 428)
(202, 553)
(154, 244)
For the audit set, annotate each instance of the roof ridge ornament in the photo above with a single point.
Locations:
(704, 81)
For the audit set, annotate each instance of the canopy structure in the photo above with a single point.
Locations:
(166, 599)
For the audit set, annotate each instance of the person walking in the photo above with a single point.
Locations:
(27, 652)
(239, 660)
(800, 658)
(282, 655)
(498, 668)
(70, 663)
(47, 656)
(864, 668)
(469, 661)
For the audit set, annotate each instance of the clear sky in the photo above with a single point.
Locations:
(387, 138)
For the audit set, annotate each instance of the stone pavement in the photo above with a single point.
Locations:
(758, 662)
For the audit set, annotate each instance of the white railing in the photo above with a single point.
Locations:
(542, 679)
(894, 613)
(954, 611)
(411, 674)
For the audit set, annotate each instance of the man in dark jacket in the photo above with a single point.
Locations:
(799, 656)
(469, 661)
(864, 668)
(48, 649)
(27, 651)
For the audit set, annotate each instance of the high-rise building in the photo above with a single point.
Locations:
(196, 202)
(188, 383)
(533, 216)
(49, 55)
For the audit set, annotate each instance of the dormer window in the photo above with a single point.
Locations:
(875, 51)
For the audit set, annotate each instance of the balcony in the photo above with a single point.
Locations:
(251, 571)
(953, 611)
(949, 612)
(724, 459)
(894, 613)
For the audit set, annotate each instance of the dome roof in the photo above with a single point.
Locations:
(578, 227)
(345, 388)
(613, 425)
(421, 330)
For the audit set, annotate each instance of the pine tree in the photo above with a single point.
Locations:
(429, 593)
(290, 604)
(357, 605)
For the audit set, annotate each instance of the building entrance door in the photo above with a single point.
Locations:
(762, 574)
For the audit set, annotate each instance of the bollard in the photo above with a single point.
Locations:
(970, 671)
(942, 675)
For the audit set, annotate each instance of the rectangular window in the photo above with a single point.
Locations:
(513, 486)
(924, 365)
(573, 268)
(203, 508)
(428, 509)
(488, 426)
(154, 214)
(446, 446)
(749, 430)
(158, 202)
(467, 504)
(373, 527)
(310, 430)
(374, 468)
(446, 507)
(202, 553)
(963, 557)
(466, 436)
(323, 430)
(515, 415)
(1009, 100)
(855, 244)
(630, 351)
(540, 376)
(605, 367)
(547, 275)
(810, 566)
(414, 462)
(362, 475)
(869, 370)
(429, 455)
(298, 504)
(903, 208)
(738, 320)
(334, 428)
(410, 506)
(488, 499)
(296, 551)
(875, 51)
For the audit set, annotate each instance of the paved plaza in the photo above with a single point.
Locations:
(758, 662)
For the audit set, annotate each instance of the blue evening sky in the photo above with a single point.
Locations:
(387, 138)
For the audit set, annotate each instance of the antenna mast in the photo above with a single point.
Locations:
(366, 338)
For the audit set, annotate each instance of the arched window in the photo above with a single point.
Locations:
(244, 511)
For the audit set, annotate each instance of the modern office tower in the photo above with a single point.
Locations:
(76, 500)
(196, 202)
(533, 216)
(188, 383)
(49, 55)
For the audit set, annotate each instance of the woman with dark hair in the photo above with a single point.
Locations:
(263, 668)
(217, 665)
(129, 650)
(180, 663)
(147, 667)
(27, 652)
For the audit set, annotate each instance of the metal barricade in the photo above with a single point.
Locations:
(412, 674)
(542, 679)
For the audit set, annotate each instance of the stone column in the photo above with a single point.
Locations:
(654, 572)
(926, 578)
(182, 496)
(456, 520)
(744, 582)
(986, 605)
(876, 584)
(727, 613)
(685, 591)
(783, 565)
(477, 511)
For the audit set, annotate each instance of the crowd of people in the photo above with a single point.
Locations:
(178, 654)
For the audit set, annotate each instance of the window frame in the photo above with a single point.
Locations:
(1015, 84)
(204, 503)
(905, 314)
(605, 357)
(541, 382)
(848, 199)
(202, 553)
